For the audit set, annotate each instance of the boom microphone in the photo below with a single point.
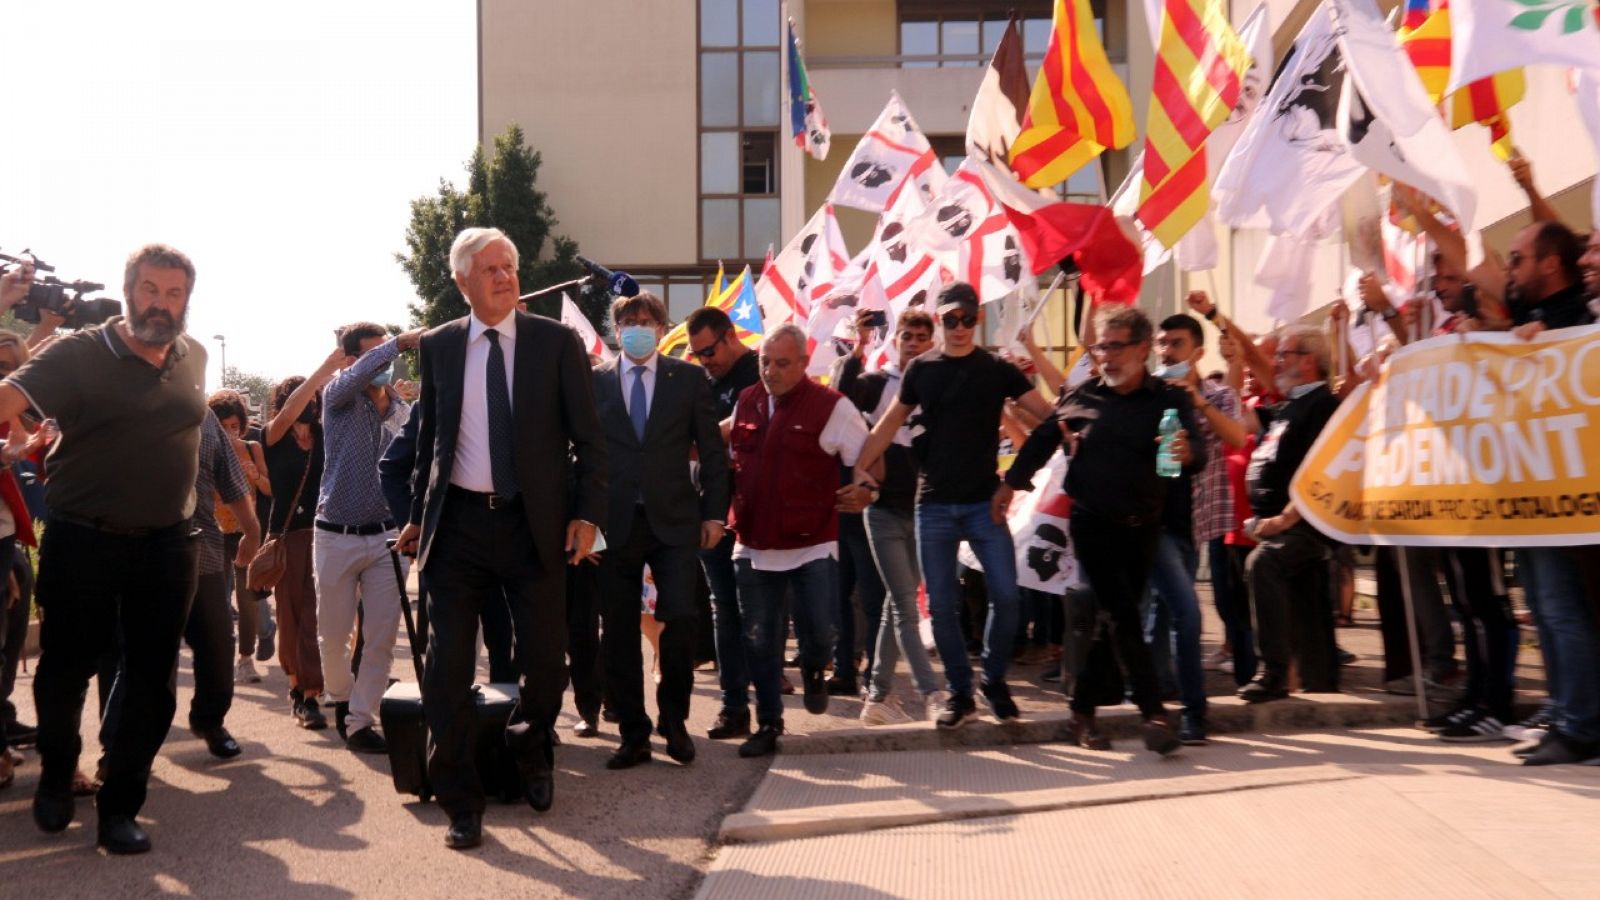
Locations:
(621, 283)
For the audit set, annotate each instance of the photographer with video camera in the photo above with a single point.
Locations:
(48, 302)
(119, 555)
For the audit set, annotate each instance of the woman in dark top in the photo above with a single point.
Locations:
(293, 439)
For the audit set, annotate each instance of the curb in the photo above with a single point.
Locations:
(1226, 715)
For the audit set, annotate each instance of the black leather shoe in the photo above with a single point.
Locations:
(53, 810)
(308, 715)
(366, 740)
(816, 690)
(1262, 690)
(20, 736)
(218, 741)
(122, 836)
(844, 686)
(630, 754)
(679, 746)
(341, 712)
(586, 728)
(730, 725)
(466, 832)
(610, 715)
(540, 789)
(764, 742)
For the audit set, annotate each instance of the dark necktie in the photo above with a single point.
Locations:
(637, 410)
(502, 445)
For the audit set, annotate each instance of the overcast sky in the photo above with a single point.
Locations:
(278, 144)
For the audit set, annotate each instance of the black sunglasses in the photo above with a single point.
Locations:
(704, 352)
(965, 320)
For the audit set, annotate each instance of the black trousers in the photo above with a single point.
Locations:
(621, 588)
(583, 639)
(1289, 587)
(499, 640)
(90, 584)
(1476, 578)
(1116, 560)
(482, 556)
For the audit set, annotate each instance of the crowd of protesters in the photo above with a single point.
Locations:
(761, 501)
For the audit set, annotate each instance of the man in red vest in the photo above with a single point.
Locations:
(789, 436)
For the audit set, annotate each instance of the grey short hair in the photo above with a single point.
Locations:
(471, 242)
(160, 256)
(791, 331)
(1312, 341)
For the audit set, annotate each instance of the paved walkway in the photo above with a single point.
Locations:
(1386, 813)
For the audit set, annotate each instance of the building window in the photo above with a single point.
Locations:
(940, 33)
(741, 107)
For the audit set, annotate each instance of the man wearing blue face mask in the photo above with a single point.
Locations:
(657, 414)
(361, 414)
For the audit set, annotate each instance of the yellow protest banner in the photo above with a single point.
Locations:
(1466, 440)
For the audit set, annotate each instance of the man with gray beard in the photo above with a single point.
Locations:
(119, 557)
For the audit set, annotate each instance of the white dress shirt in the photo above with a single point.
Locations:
(472, 469)
(649, 366)
(843, 436)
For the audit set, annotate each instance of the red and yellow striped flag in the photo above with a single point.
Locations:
(1078, 107)
(1199, 64)
(1484, 101)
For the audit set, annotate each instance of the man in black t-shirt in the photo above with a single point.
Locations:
(961, 389)
(732, 367)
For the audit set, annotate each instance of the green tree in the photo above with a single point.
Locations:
(256, 387)
(501, 192)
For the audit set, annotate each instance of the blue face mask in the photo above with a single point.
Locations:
(382, 378)
(638, 341)
(1174, 371)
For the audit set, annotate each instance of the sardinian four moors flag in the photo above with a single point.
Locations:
(806, 121)
(1078, 107)
(1387, 118)
(1200, 63)
(1002, 101)
(803, 271)
(1489, 36)
(893, 153)
(573, 318)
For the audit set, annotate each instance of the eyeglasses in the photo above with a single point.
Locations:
(1109, 348)
(964, 320)
(705, 352)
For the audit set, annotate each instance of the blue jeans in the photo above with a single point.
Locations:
(858, 578)
(1567, 634)
(815, 589)
(941, 527)
(893, 535)
(1172, 577)
(732, 672)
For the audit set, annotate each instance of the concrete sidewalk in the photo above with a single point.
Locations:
(1371, 813)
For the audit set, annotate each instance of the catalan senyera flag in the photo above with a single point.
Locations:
(1484, 101)
(737, 298)
(1199, 64)
(1078, 106)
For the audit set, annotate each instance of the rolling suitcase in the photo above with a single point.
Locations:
(406, 729)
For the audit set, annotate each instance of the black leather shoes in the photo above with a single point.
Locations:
(540, 789)
(367, 740)
(730, 725)
(816, 691)
(630, 754)
(764, 742)
(586, 728)
(341, 712)
(1264, 689)
(53, 810)
(679, 745)
(122, 836)
(466, 832)
(219, 742)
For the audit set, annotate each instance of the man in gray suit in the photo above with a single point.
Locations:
(507, 410)
(657, 414)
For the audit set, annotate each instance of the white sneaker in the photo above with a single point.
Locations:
(936, 701)
(887, 711)
(245, 672)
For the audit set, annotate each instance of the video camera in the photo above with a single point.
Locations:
(64, 298)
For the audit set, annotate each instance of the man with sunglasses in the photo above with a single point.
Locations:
(732, 367)
(961, 389)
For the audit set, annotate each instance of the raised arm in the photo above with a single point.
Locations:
(296, 402)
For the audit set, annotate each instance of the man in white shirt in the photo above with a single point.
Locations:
(789, 436)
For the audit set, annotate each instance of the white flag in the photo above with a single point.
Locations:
(1385, 114)
(1002, 100)
(803, 271)
(1291, 162)
(573, 318)
(1489, 36)
(893, 153)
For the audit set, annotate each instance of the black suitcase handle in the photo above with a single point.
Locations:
(405, 611)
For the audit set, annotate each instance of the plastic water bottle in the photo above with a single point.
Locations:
(1167, 465)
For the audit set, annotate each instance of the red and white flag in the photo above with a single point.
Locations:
(803, 271)
(893, 154)
(573, 318)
